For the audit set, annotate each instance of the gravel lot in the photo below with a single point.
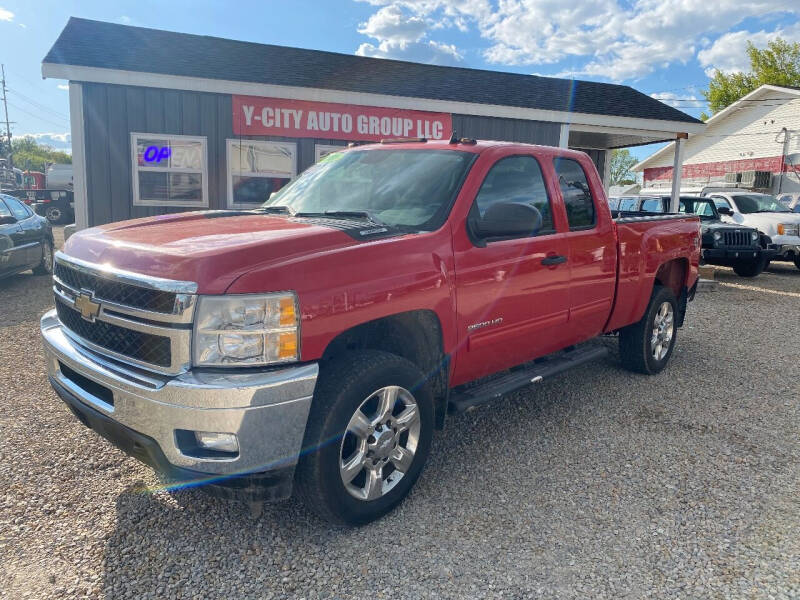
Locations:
(601, 484)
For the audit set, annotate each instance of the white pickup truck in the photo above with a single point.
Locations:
(765, 213)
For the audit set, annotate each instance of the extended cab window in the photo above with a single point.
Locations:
(576, 193)
(517, 179)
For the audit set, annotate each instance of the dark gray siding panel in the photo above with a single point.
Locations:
(507, 130)
(97, 166)
(112, 113)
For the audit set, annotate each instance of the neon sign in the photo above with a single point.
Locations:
(156, 153)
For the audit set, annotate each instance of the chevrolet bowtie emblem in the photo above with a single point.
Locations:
(88, 308)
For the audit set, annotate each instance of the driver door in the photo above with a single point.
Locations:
(512, 294)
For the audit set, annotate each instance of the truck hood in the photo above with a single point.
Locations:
(210, 248)
(765, 222)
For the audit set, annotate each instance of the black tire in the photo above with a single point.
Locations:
(45, 266)
(635, 341)
(344, 384)
(797, 261)
(54, 214)
(750, 268)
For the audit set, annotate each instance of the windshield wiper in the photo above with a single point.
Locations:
(345, 214)
(284, 210)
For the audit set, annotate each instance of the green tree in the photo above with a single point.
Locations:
(777, 64)
(621, 164)
(31, 156)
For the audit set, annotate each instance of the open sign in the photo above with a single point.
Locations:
(156, 154)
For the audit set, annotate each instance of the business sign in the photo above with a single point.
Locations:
(253, 115)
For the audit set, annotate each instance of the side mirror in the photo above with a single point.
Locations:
(724, 210)
(508, 219)
(9, 220)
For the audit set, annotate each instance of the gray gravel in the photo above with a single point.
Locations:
(601, 484)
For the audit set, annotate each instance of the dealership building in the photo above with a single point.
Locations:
(164, 122)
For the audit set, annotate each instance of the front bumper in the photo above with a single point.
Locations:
(731, 256)
(141, 412)
(786, 249)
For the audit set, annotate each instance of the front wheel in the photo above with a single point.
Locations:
(645, 347)
(750, 268)
(368, 436)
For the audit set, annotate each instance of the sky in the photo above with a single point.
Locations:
(663, 48)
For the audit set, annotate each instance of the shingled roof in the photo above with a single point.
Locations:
(90, 43)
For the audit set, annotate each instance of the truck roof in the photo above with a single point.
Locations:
(474, 146)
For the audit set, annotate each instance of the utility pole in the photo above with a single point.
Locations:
(5, 108)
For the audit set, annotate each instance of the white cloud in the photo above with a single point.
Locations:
(401, 32)
(614, 39)
(393, 23)
(429, 52)
(680, 101)
(6, 15)
(125, 20)
(59, 141)
(63, 86)
(729, 52)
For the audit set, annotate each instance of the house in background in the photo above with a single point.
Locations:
(754, 143)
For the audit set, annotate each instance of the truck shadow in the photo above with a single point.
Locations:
(22, 295)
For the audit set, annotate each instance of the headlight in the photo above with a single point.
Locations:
(754, 236)
(717, 236)
(246, 330)
(788, 229)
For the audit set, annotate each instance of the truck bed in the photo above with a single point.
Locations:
(645, 244)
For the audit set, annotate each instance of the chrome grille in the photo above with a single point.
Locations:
(115, 291)
(737, 238)
(153, 349)
(142, 320)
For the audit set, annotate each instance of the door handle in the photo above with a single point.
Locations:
(553, 260)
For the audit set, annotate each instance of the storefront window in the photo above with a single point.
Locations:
(257, 169)
(169, 170)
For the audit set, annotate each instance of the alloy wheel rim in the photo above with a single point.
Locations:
(663, 330)
(380, 443)
(55, 214)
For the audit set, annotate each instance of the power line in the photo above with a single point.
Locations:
(37, 104)
(61, 124)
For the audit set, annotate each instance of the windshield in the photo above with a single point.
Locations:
(702, 207)
(754, 203)
(406, 188)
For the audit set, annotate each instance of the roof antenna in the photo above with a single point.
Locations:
(453, 138)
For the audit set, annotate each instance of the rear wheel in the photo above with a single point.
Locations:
(750, 268)
(645, 347)
(369, 434)
(45, 266)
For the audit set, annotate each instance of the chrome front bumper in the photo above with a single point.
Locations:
(267, 409)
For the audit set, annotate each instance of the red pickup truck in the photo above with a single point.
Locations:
(317, 342)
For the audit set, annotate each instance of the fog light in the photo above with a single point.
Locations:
(219, 442)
